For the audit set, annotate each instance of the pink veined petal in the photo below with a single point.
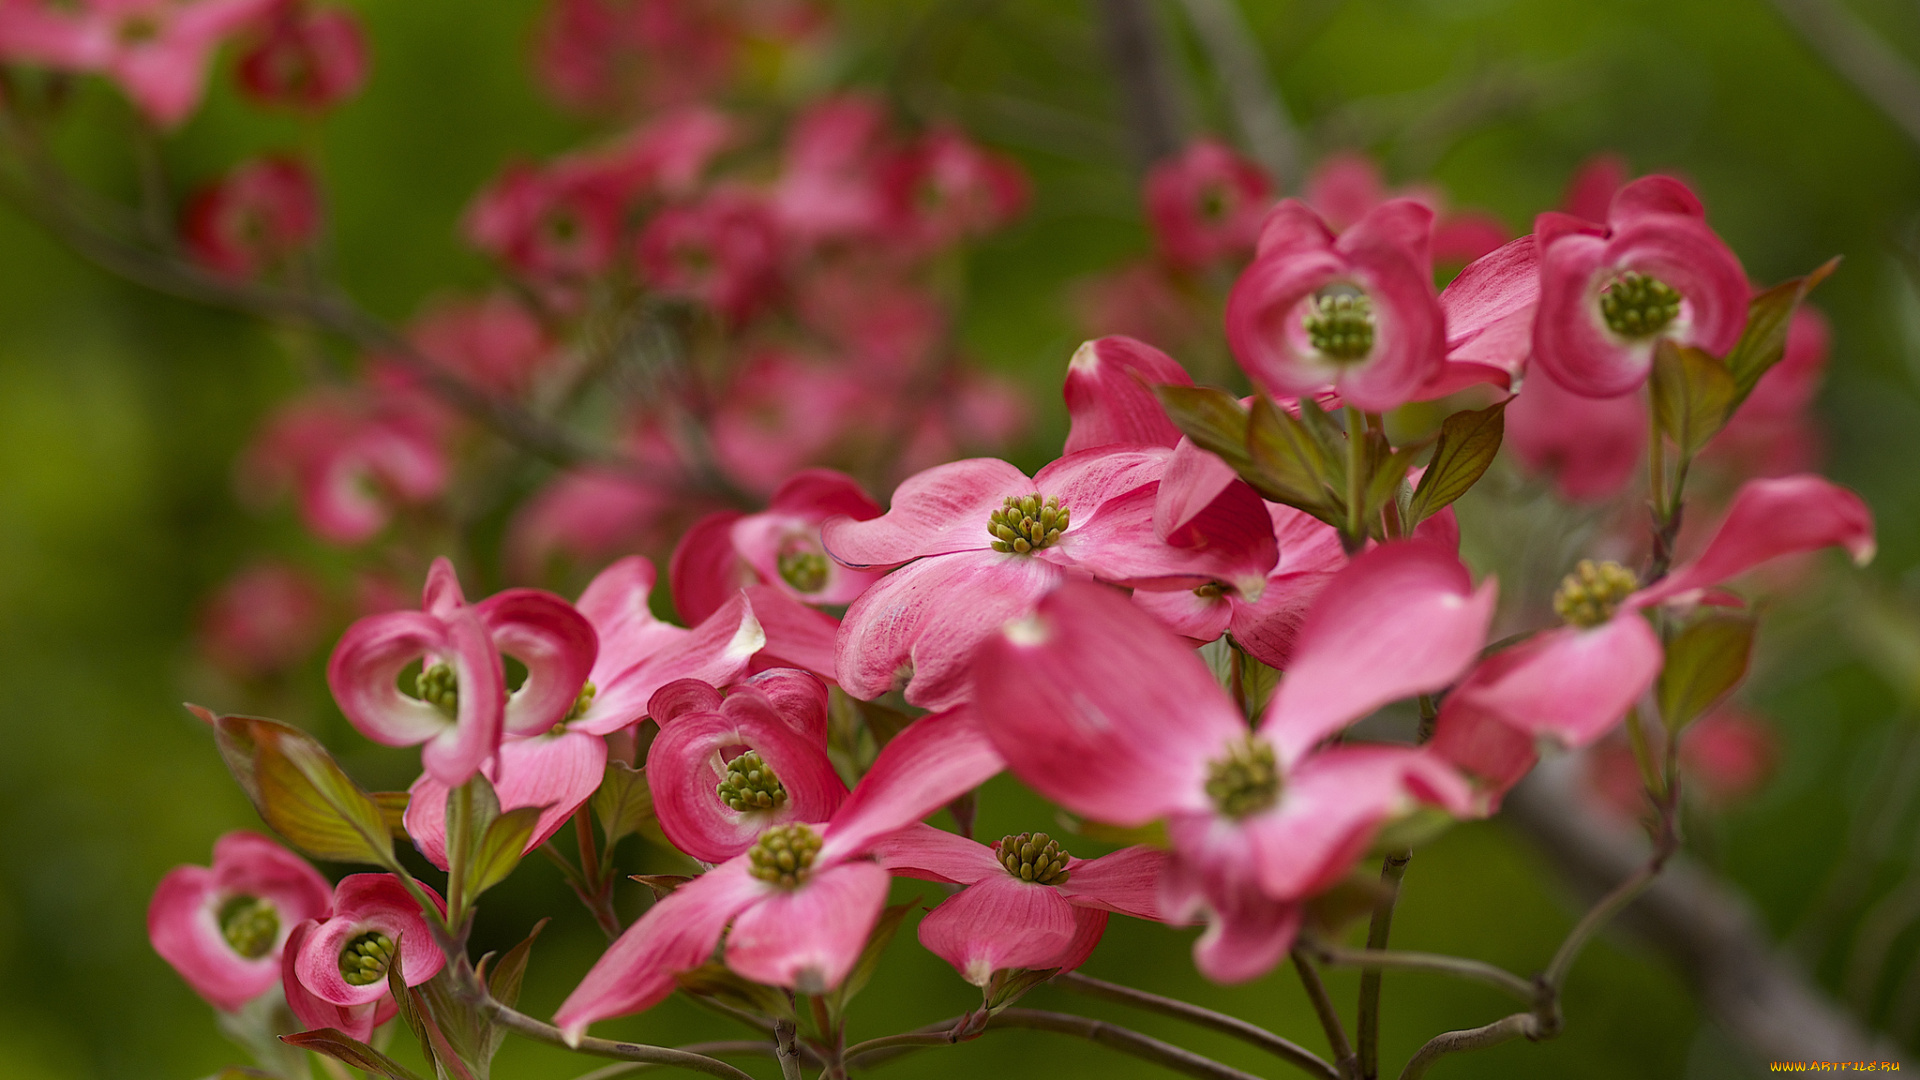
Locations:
(921, 625)
(1186, 612)
(555, 643)
(1569, 683)
(1110, 398)
(1489, 308)
(1230, 541)
(1484, 746)
(557, 771)
(1100, 709)
(1127, 881)
(362, 903)
(797, 636)
(838, 906)
(365, 667)
(356, 1021)
(1089, 925)
(930, 854)
(687, 762)
(1269, 627)
(799, 697)
(616, 603)
(1400, 620)
(1000, 923)
(1192, 481)
(1247, 931)
(934, 761)
(706, 571)
(677, 934)
(455, 753)
(680, 698)
(718, 651)
(1083, 482)
(440, 596)
(246, 862)
(1768, 519)
(941, 510)
(818, 494)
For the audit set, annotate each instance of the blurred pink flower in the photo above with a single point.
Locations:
(1206, 204)
(492, 342)
(306, 57)
(348, 460)
(723, 251)
(779, 547)
(264, 618)
(223, 928)
(253, 218)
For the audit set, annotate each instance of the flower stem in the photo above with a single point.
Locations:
(1286, 1050)
(730, 1046)
(526, 1026)
(787, 1050)
(1459, 966)
(1452, 1042)
(1118, 1038)
(1345, 1064)
(1392, 869)
(1356, 479)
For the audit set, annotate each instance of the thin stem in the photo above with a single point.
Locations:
(1356, 536)
(1607, 907)
(1458, 966)
(1345, 1063)
(1138, 53)
(734, 1046)
(1118, 1038)
(528, 1027)
(905, 1038)
(1392, 869)
(786, 1049)
(1292, 1053)
(1453, 1042)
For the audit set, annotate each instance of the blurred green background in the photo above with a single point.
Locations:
(121, 414)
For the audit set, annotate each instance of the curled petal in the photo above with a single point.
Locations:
(1000, 923)
(681, 697)
(1110, 398)
(1193, 480)
(362, 674)
(934, 761)
(799, 697)
(555, 643)
(1400, 620)
(1768, 519)
(706, 571)
(797, 636)
(1489, 309)
(687, 762)
(1571, 684)
(1654, 195)
(1194, 614)
(1247, 931)
(819, 494)
(838, 906)
(356, 1021)
(1483, 746)
(1100, 709)
(363, 903)
(183, 919)
(941, 510)
(764, 540)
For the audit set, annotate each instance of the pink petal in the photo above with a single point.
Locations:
(998, 924)
(366, 665)
(357, 1021)
(718, 651)
(1591, 446)
(1196, 617)
(1083, 482)
(1478, 743)
(1592, 188)
(922, 623)
(1269, 627)
(1388, 253)
(1569, 339)
(1400, 620)
(1127, 881)
(440, 596)
(763, 539)
(362, 903)
(557, 771)
(1100, 709)
(1230, 541)
(687, 762)
(1654, 195)
(1089, 925)
(555, 643)
(1247, 931)
(799, 697)
(819, 494)
(1683, 252)
(1193, 479)
(934, 761)
(797, 636)
(838, 906)
(1489, 307)
(1291, 226)
(930, 854)
(1768, 519)
(706, 571)
(1569, 683)
(677, 934)
(941, 510)
(1110, 398)
(183, 927)
(681, 697)
(1264, 311)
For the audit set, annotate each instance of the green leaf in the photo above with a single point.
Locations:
(342, 1047)
(716, 981)
(1212, 418)
(1704, 662)
(500, 849)
(1011, 984)
(1468, 443)
(409, 1005)
(302, 793)
(623, 803)
(1764, 341)
(869, 961)
(1387, 470)
(393, 807)
(1693, 394)
(503, 982)
(1287, 464)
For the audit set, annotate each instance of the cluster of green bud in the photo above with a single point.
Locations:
(438, 686)
(751, 785)
(784, 855)
(1027, 524)
(1638, 306)
(1340, 325)
(803, 567)
(1246, 780)
(582, 703)
(1034, 857)
(1590, 595)
(364, 960)
(250, 924)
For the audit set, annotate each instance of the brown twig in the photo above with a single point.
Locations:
(1285, 1049)
(1247, 85)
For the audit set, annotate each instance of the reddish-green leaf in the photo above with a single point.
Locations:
(869, 961)
(302, 793)
(1693, 394)
(1288, 464)
(623, 804)
(503, 982)
(393, 807)
(1468, 443)
(718, 982)
(1764, 341)
(342, 1047)
(1704, 662)
(1212, 418)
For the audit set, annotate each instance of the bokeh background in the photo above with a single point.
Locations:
(121, 414)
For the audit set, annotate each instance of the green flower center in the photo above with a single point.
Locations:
(751, 785)
(438, 686)
(1638, 306)
(784, 855)
(250, 924)
(1340, 325)
(1027, 524)
(1592, 593)
(803, 565)
(1246, 780)
(1034, 857)
(139, 29)
(582, 703)
(364, 960)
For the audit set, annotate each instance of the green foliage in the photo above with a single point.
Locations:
(1704, 663)
(302, 793)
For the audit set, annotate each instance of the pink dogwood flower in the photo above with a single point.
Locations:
(830, 181)
(335, 968)
(222, 927)
(779, 547)
(462, 708)
(944, 188)
(1357, 314)
(1205, 205)
(349, 460)
(492, 342)
(265, 618)
(308, 57)
(722, 251)
(1347, 186)
(724, 770)
(1574, 683)
(1097, 707)
(253, 218)
(157, 50)
(557, 770)
(803, 899)
(1027, 904)
(1609, 292)
(976, 542)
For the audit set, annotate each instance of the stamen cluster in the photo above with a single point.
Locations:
(1340, 325)
(582, 703)
(438, 686)
(784, 856)
(250, 924)
(750, 784)
(1246, 780)
(364, 960)
(1034, 857)
(1637, 306)
(1592, 593)
(1027, 524)
(804, 568)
